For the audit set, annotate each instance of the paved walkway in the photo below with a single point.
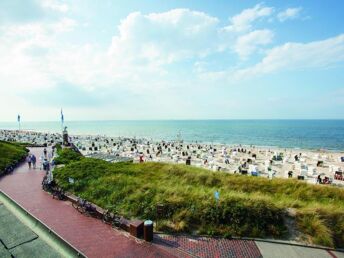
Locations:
(96, 239)
(211, 247)
(89, 235)
(269, 250)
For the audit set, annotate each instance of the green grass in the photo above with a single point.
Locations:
(10, 153)
(66, 155)
(248, 206)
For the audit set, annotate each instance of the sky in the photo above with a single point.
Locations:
(196, 59)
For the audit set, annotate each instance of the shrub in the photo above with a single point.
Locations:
(10, 154)
(66, 156)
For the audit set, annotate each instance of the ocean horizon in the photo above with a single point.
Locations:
(285, 133)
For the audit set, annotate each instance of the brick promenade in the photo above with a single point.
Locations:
(96, 239)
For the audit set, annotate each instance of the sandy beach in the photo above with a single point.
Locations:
(270, 162)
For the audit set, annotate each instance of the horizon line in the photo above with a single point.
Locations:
(173, 119)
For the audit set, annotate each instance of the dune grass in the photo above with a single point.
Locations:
(248, 206)
(10, 153)
(66, 155)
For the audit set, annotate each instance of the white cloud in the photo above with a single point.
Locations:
(150, 53)
(55, 5)
(145, 48)
(295, 56)
(289, 14)
(64, 25)
(242, 21)
(137, 58)
(24, 49)
(248, 43)
(133, 61)
(165, 37)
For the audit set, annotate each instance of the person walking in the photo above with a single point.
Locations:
(33, 159)
(29, 160)
(41, 160)
(45, 152)
(50, 156)
(46, 166)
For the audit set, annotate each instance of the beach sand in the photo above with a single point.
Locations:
(268, 162)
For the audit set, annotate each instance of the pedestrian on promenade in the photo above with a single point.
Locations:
(29, 160)
(46, 165)
(33, 159)
(45, 152)
(41, 160)
(50, 155)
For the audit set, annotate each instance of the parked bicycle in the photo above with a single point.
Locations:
(58, 193)
(84, 207)
(112, 218)
(47, 185)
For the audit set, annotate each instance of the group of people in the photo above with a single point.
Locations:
(325, 180)
(31, 161)
(44, 161)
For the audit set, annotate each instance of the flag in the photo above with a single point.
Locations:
(18, 118)
(62, 118)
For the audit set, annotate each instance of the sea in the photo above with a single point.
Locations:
(303, 134)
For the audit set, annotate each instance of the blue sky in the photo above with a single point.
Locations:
(103, 60)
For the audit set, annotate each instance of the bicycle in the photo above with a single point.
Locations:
(84, 207)
(58, 194)
(112, 218)
(46, 185)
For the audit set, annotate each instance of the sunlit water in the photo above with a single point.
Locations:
(310, 134)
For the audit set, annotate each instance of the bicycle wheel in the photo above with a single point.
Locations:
(91, 210)
(55, 194)
(116, 222)
(61, 195)
(107, 218)
(82, 209)
(45, 187)
(75, 205)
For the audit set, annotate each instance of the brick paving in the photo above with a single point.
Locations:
(96, 239)
(88, 235)
(211, 247)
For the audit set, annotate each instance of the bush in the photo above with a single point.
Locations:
(11, 154)
(66, 156)
(315, 228)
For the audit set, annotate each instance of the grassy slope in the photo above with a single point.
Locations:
(66, 155)
(248, 206)
(10, 153)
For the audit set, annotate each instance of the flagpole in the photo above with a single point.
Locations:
(18, 119)
(62, 120)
